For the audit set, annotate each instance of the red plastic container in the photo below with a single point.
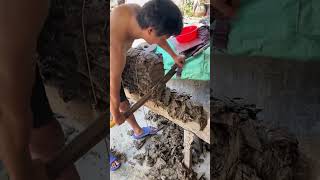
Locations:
(187, 34)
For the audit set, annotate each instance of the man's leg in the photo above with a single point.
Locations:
(124, 106)
(47, 137)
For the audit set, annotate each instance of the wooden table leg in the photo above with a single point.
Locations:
(187, 141)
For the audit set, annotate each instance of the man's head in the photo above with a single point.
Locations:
(159, 19)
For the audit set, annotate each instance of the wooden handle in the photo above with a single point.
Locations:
(112, 123)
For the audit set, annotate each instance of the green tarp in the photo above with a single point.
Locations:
(282, 29)
(198, 68)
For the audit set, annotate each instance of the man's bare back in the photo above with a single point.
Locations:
(120, 20)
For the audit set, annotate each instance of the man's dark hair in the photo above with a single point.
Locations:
(163, 15)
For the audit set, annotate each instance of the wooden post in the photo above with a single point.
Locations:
(187, 141)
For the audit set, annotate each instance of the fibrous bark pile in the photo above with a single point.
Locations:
(164, 152)
(143, 70)
(62, 52)
(244, 148)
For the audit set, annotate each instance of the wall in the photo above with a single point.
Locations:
(289, 91)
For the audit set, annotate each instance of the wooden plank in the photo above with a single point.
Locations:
(190, 126)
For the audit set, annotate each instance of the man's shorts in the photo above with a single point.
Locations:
(41, 110)
(123, 96)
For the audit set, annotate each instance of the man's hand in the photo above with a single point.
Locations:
(119, 118)
(179, 60)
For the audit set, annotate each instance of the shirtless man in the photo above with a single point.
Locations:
(22, 139)
(155, 22)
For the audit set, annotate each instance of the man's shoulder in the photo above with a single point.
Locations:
(126, 8)
(134, 6)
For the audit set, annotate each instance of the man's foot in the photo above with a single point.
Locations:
(146, 131)
(114, 164)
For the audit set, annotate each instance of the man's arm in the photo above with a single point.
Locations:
(178, 59)
(117, 63)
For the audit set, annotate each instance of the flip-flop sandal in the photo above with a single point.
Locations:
(146, 132)
(112, 160)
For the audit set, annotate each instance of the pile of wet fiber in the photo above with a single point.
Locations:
(245, 148)
(63, 44)
(164, 152)
(143, 70)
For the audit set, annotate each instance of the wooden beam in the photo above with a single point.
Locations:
(190, 126)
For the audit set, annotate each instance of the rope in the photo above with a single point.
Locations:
(87, 56)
